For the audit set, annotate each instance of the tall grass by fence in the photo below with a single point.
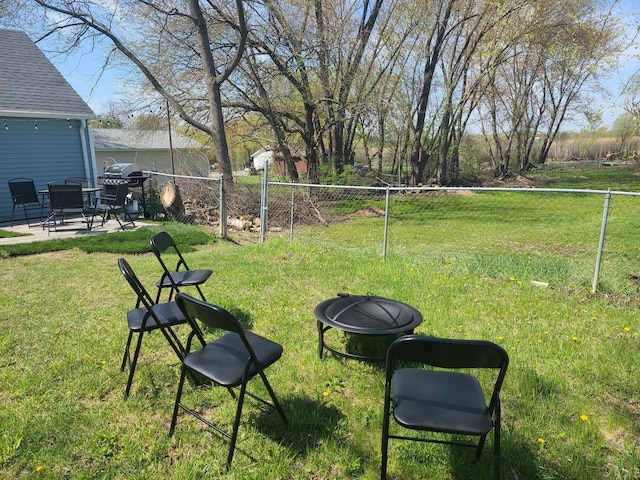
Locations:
(563, 237)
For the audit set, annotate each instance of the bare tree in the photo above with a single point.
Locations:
(185, 51)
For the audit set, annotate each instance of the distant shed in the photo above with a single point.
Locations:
(150, 149)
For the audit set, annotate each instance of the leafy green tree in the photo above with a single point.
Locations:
(625, 126)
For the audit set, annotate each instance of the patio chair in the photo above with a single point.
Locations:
(231, 361)
(67, 200)
(84, 182)
(181, 276)
(442, 399)
(23, 194)
(114, 203)
(148, 316)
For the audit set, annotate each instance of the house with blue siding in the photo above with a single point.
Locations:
(44, 123)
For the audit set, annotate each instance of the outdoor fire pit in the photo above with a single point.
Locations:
(364, 315)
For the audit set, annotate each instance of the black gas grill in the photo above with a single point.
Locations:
(119, 172)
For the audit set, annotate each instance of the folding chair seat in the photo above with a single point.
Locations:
(181, 276)
(442, 399)
(146, 317)
(230, 360)
(23, 194)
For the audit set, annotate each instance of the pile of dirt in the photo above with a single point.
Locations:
(511, 181)
(370, 211)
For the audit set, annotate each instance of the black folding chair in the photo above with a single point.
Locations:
(67, 200)
(113, 203)
(181, 276)
(24, 194)
(442, 399)
(230, 361)
(146, 317)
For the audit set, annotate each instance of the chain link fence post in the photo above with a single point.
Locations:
(263, 203)
(386, 224)
(603, 229)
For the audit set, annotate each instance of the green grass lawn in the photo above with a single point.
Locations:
(570, 402)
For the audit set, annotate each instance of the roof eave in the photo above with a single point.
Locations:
(47, 115)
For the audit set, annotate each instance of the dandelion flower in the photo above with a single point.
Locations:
(500, 338)
(325, 394)
(574, 338)
(584, 417)
(103, 362)
(627, 329)
(39, 467)
(294, 309)
(541, 441)
(512, 279)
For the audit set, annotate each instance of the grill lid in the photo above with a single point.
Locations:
(122, 170)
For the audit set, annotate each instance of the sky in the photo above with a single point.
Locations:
(82, 72)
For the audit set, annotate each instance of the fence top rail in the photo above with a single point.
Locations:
(440, 189)
(192, 177)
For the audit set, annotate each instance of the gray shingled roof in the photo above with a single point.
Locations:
(111, 139)
(31, 86)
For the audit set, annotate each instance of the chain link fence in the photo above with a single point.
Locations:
(570, 238)
(573, 238)
(204, 201)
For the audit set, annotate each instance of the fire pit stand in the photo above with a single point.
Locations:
(363, 315)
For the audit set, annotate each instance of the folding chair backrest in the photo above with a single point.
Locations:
(451, 354)
(448, 353)
(23, 191)
(66, 196)
(109, 192)
(161, 242)
(121, 195)
(212, 316)
(143, 296)
(84, 182)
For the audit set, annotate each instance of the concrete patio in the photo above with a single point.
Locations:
(73, 228)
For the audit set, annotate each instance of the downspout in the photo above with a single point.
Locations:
(89, 172)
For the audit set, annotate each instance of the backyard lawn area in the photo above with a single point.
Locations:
(571, 399)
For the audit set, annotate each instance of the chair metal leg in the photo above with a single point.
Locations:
(274, 399)
(132, 366)
(126, 351)
(385, 439)
(236, 423)
(200, 292)
(176, 407)
(496, 442)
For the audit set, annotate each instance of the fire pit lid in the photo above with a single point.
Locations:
(368, 314)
